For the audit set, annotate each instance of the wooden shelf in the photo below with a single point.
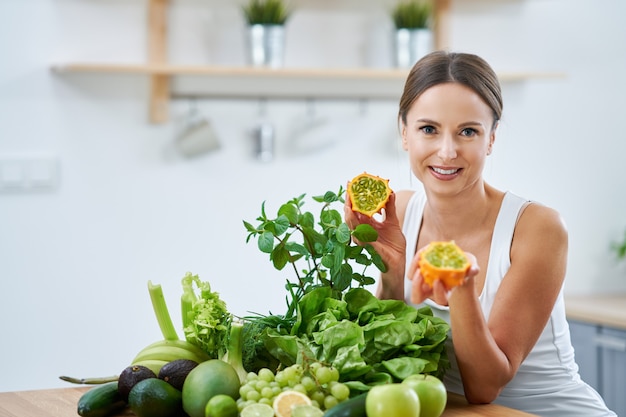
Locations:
(250, 82)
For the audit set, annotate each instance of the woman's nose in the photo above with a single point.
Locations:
(447, 148)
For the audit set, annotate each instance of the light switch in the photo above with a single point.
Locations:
(28, 173)
(41, 173)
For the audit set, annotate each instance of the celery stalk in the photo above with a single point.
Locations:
(235, 348)
(188, 299)
(161, 312)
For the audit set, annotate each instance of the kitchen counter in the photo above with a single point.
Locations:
(606, 310)
(62, 402)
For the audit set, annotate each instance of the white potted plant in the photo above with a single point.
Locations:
(266, 31)
(413, 34)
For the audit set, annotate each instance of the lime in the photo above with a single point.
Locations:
(208, 379)
(306, 410)
(221, 405)
(257, 410)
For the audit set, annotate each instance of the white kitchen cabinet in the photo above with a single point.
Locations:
(601, 356)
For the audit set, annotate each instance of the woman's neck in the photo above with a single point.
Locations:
(456, 216)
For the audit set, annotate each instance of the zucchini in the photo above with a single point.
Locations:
(101, 401)
(354, 407)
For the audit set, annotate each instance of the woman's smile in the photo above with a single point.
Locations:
(445, 173)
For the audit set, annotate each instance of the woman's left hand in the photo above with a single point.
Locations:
(439, 293)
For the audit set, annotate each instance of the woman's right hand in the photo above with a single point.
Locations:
(390, 245)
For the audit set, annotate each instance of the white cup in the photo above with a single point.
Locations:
(197, 138)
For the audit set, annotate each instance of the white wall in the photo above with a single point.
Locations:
(75, 259)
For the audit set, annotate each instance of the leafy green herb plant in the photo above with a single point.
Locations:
(412, 14)
(620, 248)
(266, 12)
(331, 318)
(322, 253)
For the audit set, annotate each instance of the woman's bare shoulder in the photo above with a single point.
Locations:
(538, 217)
(540, 230)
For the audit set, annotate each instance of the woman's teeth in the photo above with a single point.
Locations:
(444, 171)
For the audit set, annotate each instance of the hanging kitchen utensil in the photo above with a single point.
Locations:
(197, 136)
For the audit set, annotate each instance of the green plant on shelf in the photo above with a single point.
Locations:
(266, 12)
(412, 14)
(620, 248)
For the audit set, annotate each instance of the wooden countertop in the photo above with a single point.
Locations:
(605, 310)
(62, 402)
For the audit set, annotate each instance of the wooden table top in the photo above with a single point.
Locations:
(601, 309)
(62, 402)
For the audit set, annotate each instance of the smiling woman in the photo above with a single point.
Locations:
(508, 310)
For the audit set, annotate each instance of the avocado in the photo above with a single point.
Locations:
(153, 397)
(130, 376)
(175, 372)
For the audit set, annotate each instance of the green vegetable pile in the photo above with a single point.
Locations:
(368, 340)
(331, 317)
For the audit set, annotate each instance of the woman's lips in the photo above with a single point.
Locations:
(445, 172)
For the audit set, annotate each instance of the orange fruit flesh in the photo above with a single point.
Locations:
(368, 193)
(444, 261)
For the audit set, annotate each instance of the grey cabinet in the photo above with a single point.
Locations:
(601, 356)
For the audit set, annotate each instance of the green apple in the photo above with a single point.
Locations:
(431, 393)
(392, 400)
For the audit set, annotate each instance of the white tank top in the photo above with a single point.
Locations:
(547, 382)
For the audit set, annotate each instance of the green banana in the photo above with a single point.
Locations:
(166, 353)
(157, 354)
(183, 344)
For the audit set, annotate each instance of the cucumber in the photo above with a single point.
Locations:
(101, 401)
(354, 407)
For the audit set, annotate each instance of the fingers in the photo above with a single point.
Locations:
(420, 291)
(414, 265)
(440, 293)
(390, 208)
(349, 216)
(474, 269)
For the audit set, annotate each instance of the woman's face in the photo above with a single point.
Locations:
(448, 135)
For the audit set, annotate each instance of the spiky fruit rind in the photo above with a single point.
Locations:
(443, 260)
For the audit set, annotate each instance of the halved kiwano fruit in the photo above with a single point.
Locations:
(368, 193)
(443, 260)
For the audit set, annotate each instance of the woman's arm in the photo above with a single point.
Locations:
(489, 353)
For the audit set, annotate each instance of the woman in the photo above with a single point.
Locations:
(509, 341)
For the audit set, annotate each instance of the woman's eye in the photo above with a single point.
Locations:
(468, 132)
(429, 130)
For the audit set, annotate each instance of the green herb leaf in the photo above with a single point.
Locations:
(365, 233)
(266, 242)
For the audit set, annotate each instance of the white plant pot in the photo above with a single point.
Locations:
(411, 45)
(266, 45)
